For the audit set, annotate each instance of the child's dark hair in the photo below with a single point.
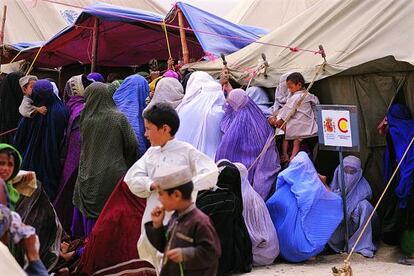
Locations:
(185, 190)
(163, 114)
(296, 78)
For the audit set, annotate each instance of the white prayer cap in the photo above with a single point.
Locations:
(25, 80)
(173, 176)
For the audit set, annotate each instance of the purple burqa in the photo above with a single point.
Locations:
(245, 133)
(358, 193)
(75, 101)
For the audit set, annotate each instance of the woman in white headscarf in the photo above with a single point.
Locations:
(282, 94)
(168, 90)
(201, 112)
(259, 96)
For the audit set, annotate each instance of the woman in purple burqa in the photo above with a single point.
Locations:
(245, 133)
(74, 101)
(358, 193)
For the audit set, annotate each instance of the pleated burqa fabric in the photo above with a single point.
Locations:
(304, 213)
(108, 149)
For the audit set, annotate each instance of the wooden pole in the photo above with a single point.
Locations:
(186, 53)
(95, 45)
(3, 24)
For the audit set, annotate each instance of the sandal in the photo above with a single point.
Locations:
(404, 260)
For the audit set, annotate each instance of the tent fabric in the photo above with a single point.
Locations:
(26, 20)
(268, 14)
(120, 25)
(228, 38)
(369, 30)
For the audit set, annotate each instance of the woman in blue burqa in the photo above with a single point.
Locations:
(130, 100)
(303, 210)
(358, 193)
(40, 138)
(398, 221)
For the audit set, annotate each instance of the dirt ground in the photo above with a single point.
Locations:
(383, 264)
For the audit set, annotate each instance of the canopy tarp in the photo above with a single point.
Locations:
(126, 37)
(39, 20)
(215, 35)
(268, 14)
(352, 32)
(129, 37)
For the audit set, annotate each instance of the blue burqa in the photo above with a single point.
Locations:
(400, 133)
(358, 193)
(303, 211)
(39, 139)
(130, 100)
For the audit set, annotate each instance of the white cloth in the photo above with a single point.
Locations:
(259, 96)
(282, 94)
(55, 89)
(8, 265)
(265, 244)
(139, 179)
(303, 122)
(201, 112)
(26, 108)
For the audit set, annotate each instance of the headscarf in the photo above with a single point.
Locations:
(102, 163)
(13, 194)
(40, 138)
(298, 209)
(11, 97)
(259, 96)
(171, 74)
(201, 112)
(153, 84)
(130, 100)
(74, 87)
(265, 245)
(358, 193)
(185, 79)
(94, 76)
(55, 89)
(168, 90)
(282, 93)
(356, 186)
(245, 133)
(400, 133)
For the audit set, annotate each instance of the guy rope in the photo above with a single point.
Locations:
(346, 270)
(294, 110)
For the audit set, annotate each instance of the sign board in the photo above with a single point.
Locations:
(338, 127)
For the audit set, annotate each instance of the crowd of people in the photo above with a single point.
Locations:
(178, 175)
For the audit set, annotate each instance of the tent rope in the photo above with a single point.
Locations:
(166, 38)
(347, 264)
(290, 115)
(34, 60)
(8, 131)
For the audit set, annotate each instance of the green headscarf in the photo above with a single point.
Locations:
(13, 193)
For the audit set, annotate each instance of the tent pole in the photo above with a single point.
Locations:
(3, 24)
(95, 44)
(184, 46)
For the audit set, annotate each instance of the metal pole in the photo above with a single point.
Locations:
(95, 45)
(343, 194)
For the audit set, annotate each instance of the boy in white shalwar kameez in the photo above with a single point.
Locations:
(302, 124)
(161, 124)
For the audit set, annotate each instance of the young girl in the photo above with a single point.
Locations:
(303, 122)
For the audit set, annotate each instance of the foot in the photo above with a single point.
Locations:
(405, 260)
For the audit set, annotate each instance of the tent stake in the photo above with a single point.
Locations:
(184, 46)
(95, 44)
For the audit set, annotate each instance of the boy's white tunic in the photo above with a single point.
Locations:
(139, 180)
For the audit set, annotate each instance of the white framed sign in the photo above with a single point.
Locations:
(338, 127)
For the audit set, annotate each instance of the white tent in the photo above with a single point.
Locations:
(39, 20)
(268, 14)
(352, 32)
